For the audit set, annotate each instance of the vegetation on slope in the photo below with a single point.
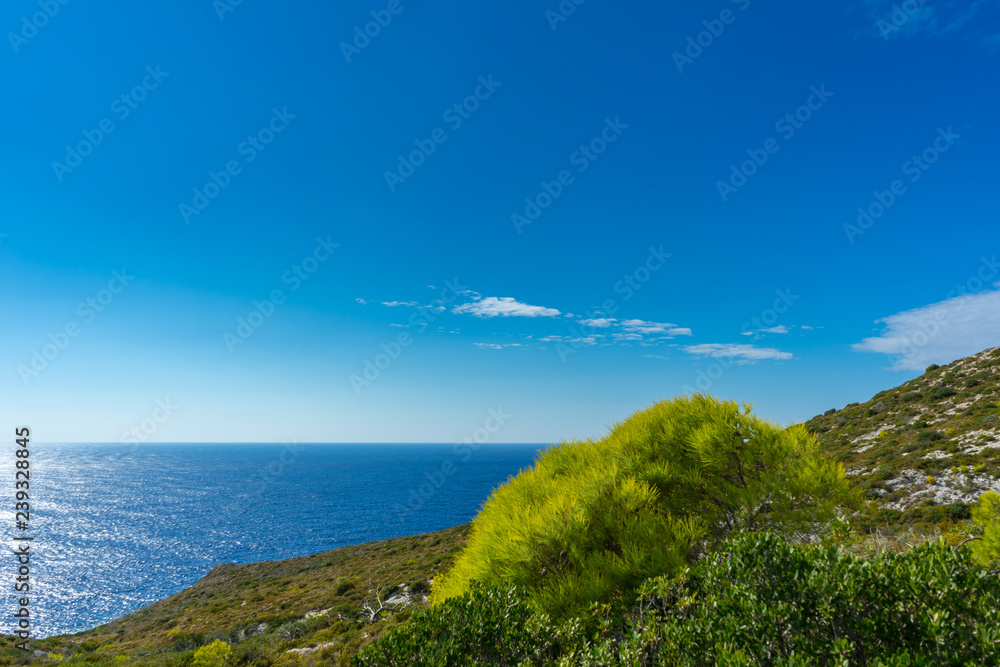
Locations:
(270, 613)
(926, 449)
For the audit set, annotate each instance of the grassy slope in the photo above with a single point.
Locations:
(234, 600)
(943, 425)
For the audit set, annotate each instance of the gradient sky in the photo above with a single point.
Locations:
(633, 121)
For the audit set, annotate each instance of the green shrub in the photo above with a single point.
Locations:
(762, 601)
(959, 512)
(932, 367)
(929, 435)
(937, 393)
(419, 587)
(592, 520)
(481, 627)
(212, 655)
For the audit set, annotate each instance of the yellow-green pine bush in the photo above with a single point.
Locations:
(592, 520)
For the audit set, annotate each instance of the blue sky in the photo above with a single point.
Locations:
(258, 223)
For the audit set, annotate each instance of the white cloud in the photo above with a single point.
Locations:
(805, 328)
(780, 329)
(938, 333)
(600, 323)
(743, 353)
(393, 304)
(504, 307)
(361, 301)
(680, 331)
(399, 325)
(643, 327)
(626, 336)
(496, 346)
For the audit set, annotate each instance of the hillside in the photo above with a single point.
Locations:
(928, 447)
(293, 611)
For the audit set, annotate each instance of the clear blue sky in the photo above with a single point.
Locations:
(250, 146)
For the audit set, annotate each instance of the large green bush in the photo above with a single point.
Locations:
(592, 520)
(762, 601)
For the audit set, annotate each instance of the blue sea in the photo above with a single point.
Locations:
(118, 526)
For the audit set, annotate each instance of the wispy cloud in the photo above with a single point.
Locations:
(361, 301)
(600, 323)
(492, 306)
(654, 328)
(779, 329)
(743, 354)
(496, 346)
(940, 332)
(396, 304)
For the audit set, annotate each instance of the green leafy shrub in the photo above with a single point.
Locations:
(481, 627)
(929, 435)
(932, 367)
(959, 512)
(762, 601)
(419, 587)
(592, 520)
(937, 393)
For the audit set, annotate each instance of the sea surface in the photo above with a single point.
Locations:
(118, 526)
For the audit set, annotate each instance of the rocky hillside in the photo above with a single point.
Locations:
(928, 447)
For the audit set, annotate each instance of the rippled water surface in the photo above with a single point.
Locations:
(117, 527)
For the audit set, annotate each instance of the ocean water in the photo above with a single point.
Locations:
(117, 526)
